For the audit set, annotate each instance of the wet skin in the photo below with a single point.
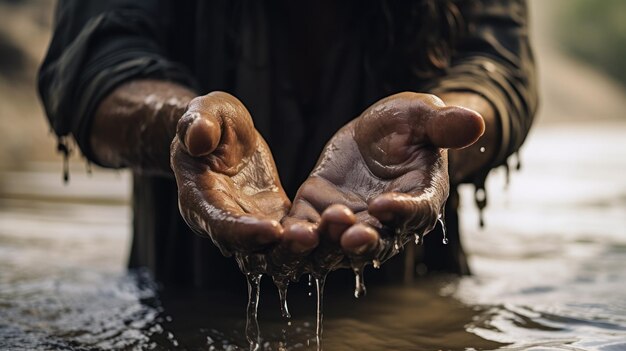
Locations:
(228, 186)
(382, 176)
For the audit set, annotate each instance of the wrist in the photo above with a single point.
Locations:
(134, 126)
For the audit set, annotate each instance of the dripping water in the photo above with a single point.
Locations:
(482, 149)
(282, 285)
(359, 283)
(252, 323)
(310, 284)
(319, 315)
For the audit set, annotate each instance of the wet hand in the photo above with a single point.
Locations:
(382, 178)
(228, 186)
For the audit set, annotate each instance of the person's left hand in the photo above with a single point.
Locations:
(382, 178)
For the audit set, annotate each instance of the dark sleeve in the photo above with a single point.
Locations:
(494, 59)
(96, 46)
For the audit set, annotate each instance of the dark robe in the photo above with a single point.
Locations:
(299, 91)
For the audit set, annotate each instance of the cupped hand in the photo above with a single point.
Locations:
(228, 186)
(382, 178)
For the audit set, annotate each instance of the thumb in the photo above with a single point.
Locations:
(199, 133)
(213, 117)
(454, 127)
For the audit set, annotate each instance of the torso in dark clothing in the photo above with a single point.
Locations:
(300, 70)
(303, 70)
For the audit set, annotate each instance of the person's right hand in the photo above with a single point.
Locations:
(228, 186)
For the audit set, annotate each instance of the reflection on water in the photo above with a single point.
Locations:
(548, 270)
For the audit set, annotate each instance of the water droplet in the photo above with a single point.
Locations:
(376, 264)
(396, 243)
(482, 149)
(310, 278)
(417, 239)
(289, 323)
(443, 229)
(480, 197)
(310, 293)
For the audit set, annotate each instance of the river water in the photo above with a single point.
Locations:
(548, 269)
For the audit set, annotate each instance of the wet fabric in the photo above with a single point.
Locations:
(248, 48)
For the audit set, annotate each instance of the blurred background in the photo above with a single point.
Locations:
(548, 266)
(579, 45)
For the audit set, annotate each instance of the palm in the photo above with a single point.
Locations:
(227, 181)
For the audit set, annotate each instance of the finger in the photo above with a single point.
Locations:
(299, 238)
(359, 240)
(229, 227)
(247, 232)
(199, 133)
(454, 127)
(217, 119)
(335, 220)
(400, 210)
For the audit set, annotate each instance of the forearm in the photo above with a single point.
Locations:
(465, 163)
(135, 124)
